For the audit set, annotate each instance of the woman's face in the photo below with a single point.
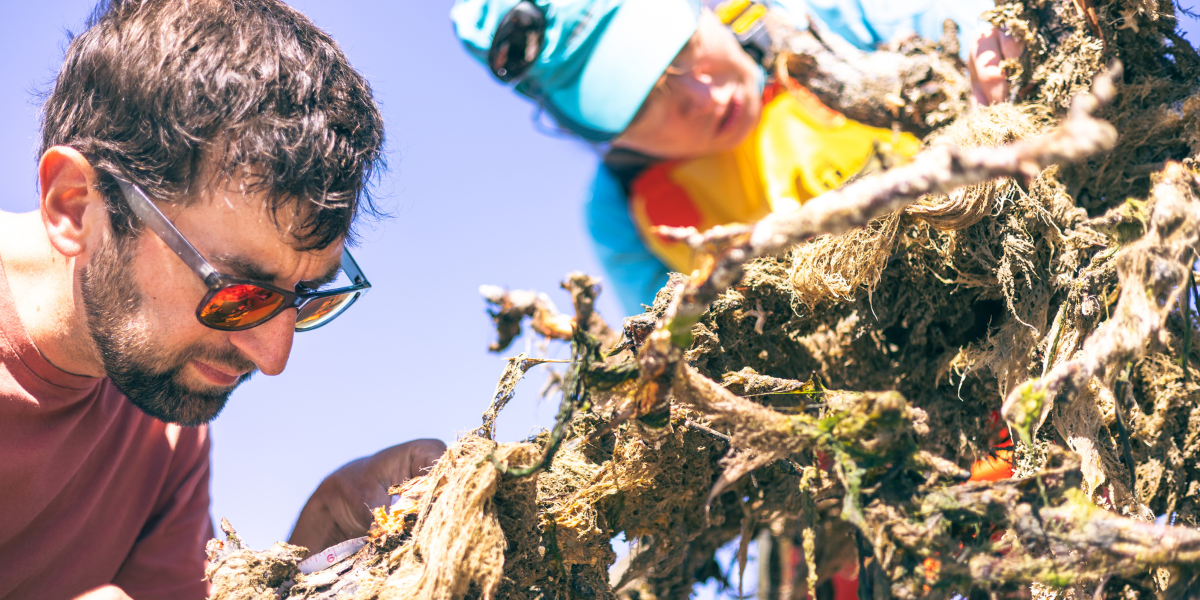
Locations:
(707, 102)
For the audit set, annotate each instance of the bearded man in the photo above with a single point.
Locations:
(202, 164)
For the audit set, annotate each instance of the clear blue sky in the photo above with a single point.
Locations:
(478, 197)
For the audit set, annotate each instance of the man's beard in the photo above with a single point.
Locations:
(150, 376)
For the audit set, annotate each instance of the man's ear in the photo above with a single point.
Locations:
(72, 210)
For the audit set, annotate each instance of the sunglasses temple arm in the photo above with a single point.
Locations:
(158, 223)
(352, 269)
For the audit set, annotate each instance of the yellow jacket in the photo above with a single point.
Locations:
(801, 149)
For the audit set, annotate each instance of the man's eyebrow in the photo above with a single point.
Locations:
(244, 267)
(329, 276)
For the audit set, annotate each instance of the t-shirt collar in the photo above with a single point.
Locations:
(15, 343)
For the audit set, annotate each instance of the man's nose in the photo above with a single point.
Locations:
(269, 344)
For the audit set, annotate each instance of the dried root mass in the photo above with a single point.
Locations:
(830, 379)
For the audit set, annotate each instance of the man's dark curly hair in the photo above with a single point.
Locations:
(249, 92)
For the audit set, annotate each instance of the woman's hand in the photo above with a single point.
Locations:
(988, 49)
(340, 509)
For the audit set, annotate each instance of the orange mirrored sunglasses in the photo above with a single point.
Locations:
(234, 303)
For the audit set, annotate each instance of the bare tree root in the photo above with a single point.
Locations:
(1153, 272)
(940, 169)
(829, 378)
(914, 84)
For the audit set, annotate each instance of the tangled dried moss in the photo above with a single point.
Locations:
(837, 267)
(861, 378)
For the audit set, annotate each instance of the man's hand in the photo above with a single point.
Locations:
(340, 509)
(988, 49)
(107, 592)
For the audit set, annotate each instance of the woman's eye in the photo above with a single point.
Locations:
(687, 55)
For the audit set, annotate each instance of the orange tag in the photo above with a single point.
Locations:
(993, 468)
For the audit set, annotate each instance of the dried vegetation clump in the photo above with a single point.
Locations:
(829, 379)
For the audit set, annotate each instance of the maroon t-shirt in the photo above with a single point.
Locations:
(93, 491)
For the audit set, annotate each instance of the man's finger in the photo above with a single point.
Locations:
(107, 592)
(426, 456)
(340, 508)
(395, 465)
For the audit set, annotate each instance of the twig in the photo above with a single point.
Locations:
(1099, 594)
(510, 307)
(1195, 295)
(505, 388)
(784, 464)
(1125, 388)
(760, 316)
(1185, 300)
(864, 578)
(585, 350)
(708, 431)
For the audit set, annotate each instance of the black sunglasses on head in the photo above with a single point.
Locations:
(518, 41)
(234, 303)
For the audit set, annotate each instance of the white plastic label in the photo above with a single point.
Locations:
(331, 555)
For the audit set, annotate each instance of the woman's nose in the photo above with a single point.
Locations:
(697, 94)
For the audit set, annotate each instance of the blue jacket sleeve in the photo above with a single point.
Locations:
(869, 23)
(635, 273)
